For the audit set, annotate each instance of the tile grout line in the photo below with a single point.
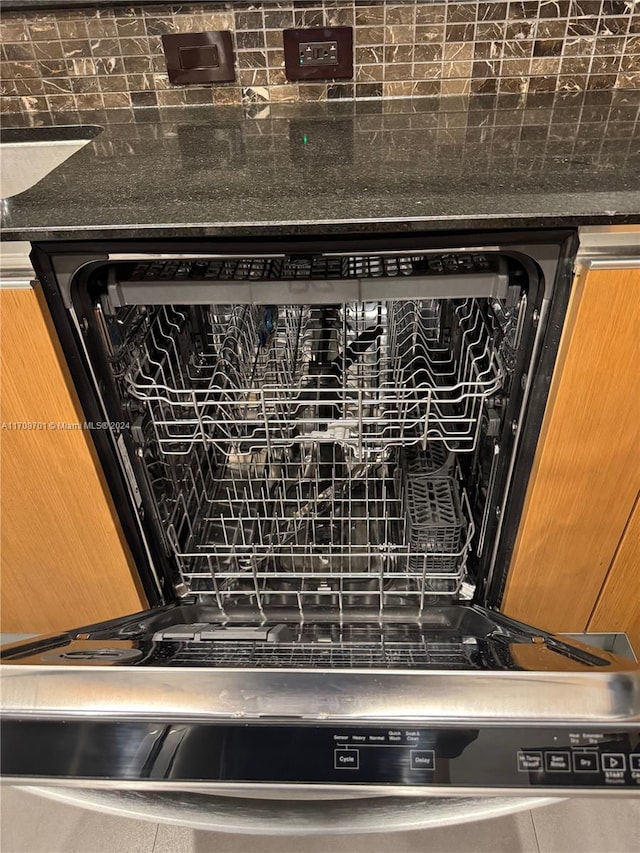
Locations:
(535, 834)
(155, 838)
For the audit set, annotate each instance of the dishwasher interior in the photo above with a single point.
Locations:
(329, 460)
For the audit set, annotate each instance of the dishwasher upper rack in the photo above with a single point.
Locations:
(409, 386)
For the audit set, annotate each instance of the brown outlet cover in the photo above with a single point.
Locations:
(199, 57)
(343, 69)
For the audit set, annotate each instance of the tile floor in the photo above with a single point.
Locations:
(31, 824)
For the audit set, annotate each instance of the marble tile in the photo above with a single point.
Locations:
(366, 15)
(369, 90)
(428, 52)
(18, 51)
(278, 19)
(369, 35)
(393, 40)
(400, 14)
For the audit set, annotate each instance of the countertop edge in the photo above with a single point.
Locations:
(293, 228)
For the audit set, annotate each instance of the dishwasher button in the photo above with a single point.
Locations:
(585, 762)
(614, 761)
(346, 759)
(528, 761)
(557, 762)
(423, 759)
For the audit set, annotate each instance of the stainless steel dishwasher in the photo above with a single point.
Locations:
(319, 450)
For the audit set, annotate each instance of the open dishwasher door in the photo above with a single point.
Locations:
(462, 702)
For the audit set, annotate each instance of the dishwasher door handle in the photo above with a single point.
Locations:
(290, 817)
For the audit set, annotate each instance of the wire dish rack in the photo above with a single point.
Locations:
(306, 456)
(420, 654)
(391, 374)
(290, 533)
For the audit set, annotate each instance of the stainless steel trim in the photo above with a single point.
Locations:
(622, 262)
(449, 697)
(16, 271)
(240, 790)
(625, 228)
(608, 236)
(152, 256)
(23, 280)
(609, 246)
(617, 643)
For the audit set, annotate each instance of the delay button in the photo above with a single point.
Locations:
(423, 759)
(346, 759)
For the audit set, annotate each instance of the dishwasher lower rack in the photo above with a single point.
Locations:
(317, 531)
(364, 375)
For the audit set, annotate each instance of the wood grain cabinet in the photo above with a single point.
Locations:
(618, 605)
(576, 563)
(63, 558)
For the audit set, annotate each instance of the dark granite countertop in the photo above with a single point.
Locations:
(427, 164)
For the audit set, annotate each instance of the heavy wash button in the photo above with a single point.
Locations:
(557, 762)
(346, 759)
(423, 759)
(529, 761)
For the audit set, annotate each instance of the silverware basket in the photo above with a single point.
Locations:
(435, 524)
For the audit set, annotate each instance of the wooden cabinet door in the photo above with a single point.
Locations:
(618, 605)
(63, 557)
(586, 474)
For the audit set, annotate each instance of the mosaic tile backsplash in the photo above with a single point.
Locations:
(112, 58)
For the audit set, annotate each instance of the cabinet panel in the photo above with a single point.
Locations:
(64, 561)
(586, 473)
(618, 606)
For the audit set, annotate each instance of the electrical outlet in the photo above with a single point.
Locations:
(319, 53)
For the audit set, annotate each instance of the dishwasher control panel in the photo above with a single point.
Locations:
(509, 757)
(500, 757)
